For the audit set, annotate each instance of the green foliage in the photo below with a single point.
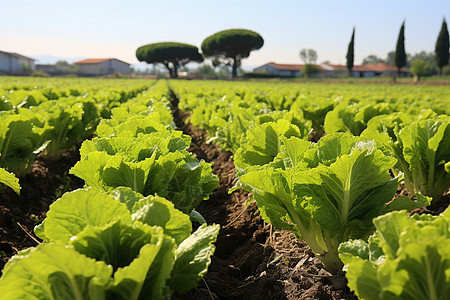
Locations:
(10, 180)
(66, 122)
(442, 48)
(326, 193)
(352, 116)
(263, 143)
(98, 248)
(400, 53)
(172, 55)
(150, 164)
(308, 56)
(229, 47)
(18, 143)
(421, 148)
(309, 70)
(52, 271)
(351, 53)
(372, 59)
(406, 258)
(421, 67)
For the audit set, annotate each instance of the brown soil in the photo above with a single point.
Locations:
(46, 182)
(253, 260)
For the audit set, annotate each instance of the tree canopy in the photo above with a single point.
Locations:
(400, 53)
(420, 67)
(351, 53)
(229, 47)
(308, 56)
(372, 59)
(442, 48)
(172, 55)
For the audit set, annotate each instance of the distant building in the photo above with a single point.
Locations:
(14, 63)
(329, 70)
(103, 66)
(283, 70)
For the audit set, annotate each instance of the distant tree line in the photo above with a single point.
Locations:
(420, 64)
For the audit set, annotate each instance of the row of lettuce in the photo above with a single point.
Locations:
(128, 234)
(337, 193)
(38, 117)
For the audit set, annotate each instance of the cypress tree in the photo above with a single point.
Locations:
(442, 48)
(351, 53)
(400, 54)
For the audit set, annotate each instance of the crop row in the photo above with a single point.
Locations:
(327, 168)
(118, 238)
(322, 161)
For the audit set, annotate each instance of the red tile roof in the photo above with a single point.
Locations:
(96, 61)
(287, 67)
(380, 67)
(92, 61)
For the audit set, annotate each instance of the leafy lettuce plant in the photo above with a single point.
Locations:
(262, 144)
(326, 193)
(98, 248)
(151, 164)
(314, 111)
(19, 143)
(67, 121)
(406, 258)
(352, 116)
(421, 148)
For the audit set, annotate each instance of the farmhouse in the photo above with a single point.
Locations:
(330, 70)
(284, 70)
(103, 66)
(14, 63)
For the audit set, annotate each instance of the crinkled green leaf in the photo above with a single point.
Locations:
(329, 148)
(115, 243)
(404, 202)
(126, 195)
(192, 258)
(352, 116)
(360, 273)
(182, 179)
(90, 169)
(262, 143)
(119, 172)
(52, 271)
(75, 211)
(426, 149)
(135, 149)
(342, 185)
(17, 144)
(154, 210)
(349, 189)
(9, 179)
(131, 128)
(414, 262)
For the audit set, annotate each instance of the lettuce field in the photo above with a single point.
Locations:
(173, 189)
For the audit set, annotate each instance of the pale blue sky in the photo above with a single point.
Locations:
(99, 29)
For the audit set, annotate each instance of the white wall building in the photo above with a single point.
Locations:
(103, 66)
(329, 70)
(287, 70)
(11, 63)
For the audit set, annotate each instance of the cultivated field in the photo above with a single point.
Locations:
(145, 189)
